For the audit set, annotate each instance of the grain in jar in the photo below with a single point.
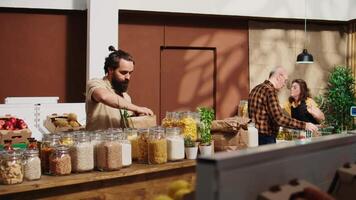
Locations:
(49, 142)
(32, 165)
(11, 168)
(175, 144)
(109, 152)
(67, 138)
(131, 134)
(126, 150)
(157, 147)
(60, 161)
(143, 134)
(188, 125)
(82, 154)
(96, 139)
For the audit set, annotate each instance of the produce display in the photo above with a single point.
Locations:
(69, 121)
(12, 123)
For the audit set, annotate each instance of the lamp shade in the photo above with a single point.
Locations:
(305, 57)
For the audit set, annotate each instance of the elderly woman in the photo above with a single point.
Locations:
(301, 106)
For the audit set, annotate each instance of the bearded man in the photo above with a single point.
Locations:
(105, 97)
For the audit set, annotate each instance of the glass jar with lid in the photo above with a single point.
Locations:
(168, 120)
(243, 108)
(60, 161)
(67, 138)
(126, 150)
(109, 152)
(32, 144)
(143, 134)
(189, 125)
(32, 165)
(11, 168)
(49, 142)
(157, 147)
(131, 134)
(82, 153)
(96, 139)
(175, 144)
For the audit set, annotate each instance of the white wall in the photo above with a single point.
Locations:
(340, 10)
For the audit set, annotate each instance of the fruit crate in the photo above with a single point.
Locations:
(12, 128)
(62, 123)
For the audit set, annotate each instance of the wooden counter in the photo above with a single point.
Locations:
(138, 181)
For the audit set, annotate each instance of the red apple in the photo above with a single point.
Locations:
(13, 120)
(0, 126)
(2, 122)
(20, 124)
(8, 125)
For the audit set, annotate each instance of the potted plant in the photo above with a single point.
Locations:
(191, 148)
(338, 99)
(206, 118)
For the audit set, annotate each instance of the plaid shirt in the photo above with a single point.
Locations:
(264, 109)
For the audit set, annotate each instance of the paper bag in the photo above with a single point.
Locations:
(230, 141)
(229, 125)
(144, 121)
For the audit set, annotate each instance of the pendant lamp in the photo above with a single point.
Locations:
(305, 57)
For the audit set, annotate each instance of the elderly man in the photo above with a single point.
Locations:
(265, 111)
(105, 97)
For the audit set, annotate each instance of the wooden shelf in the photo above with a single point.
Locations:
(47, 182)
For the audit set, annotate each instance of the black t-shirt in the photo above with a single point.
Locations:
(301, 113)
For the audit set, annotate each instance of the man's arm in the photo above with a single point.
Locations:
(104, 96)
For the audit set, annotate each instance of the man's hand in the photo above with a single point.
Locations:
(144, 111)
(311, 127)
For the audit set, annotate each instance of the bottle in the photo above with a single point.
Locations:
(252, 135)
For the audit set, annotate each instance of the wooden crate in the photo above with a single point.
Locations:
(48, 123)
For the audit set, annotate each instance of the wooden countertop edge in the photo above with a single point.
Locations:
(58, 181)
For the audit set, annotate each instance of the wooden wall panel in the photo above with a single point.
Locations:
(43, 53)
(187, 79)
(142, 39)
(142, 34)
(230, 38)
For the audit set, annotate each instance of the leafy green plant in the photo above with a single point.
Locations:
(188, 142)
(339, 97)
(206, 118)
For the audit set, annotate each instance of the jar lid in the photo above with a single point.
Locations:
(173, 131)
(31, 152)
(61, 148)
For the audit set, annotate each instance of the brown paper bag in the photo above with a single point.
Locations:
(144, 121)
(229, 125)
(230, 141)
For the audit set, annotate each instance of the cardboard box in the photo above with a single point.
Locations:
(52, 128)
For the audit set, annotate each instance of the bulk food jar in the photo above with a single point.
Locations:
(157, 147)
(95, 140)
(32, 165)
(189, 125)
(126, 150)
(49, 142)
(109, 152)
(143, 134)
(60, 161)
(131, 134)
(82, 154)
(175, 144)
(11, 169)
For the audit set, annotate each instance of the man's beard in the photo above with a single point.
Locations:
(120, 86)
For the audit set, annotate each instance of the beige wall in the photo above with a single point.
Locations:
(272, 44)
